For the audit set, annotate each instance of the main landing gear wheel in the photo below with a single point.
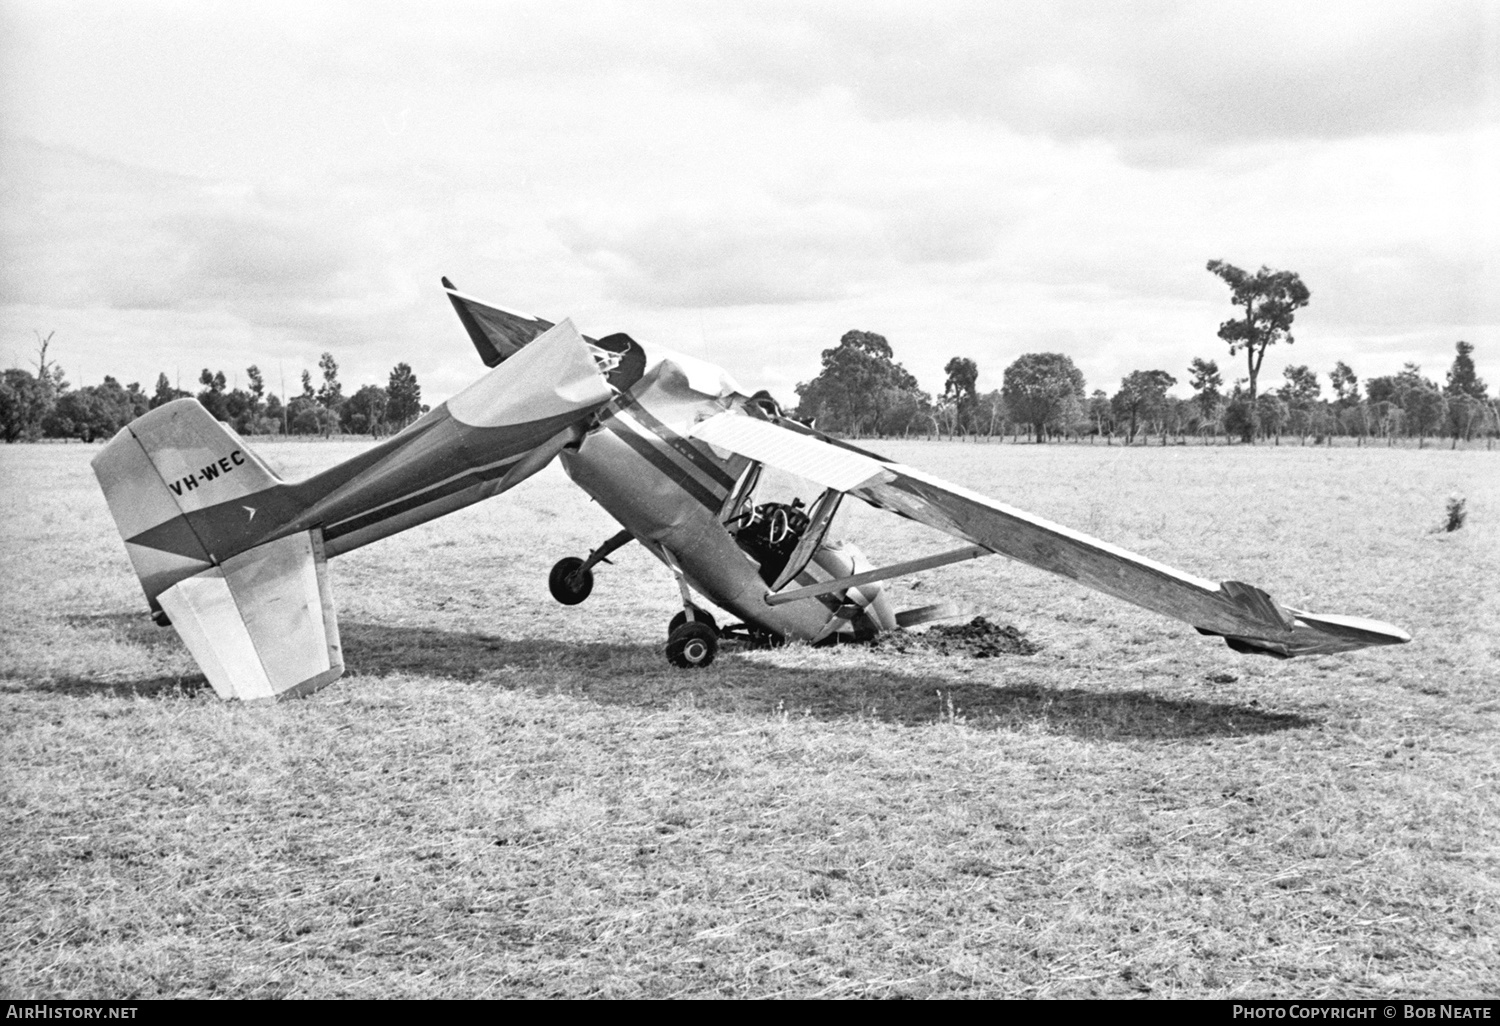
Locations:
(568, 584)
(699, 616)
(692, 645)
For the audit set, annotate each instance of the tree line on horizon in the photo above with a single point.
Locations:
(861, 390)
(43, 405)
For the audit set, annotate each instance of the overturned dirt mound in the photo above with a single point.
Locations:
(977, 639)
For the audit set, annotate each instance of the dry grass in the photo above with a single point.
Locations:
(505, 797)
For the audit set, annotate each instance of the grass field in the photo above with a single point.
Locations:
(506, 797)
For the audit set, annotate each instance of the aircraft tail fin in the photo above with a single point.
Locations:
(167, 477)
(185, 492)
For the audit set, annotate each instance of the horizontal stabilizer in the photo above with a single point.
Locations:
(261, 625)
(496, 332)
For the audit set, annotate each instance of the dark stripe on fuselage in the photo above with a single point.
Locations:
(700, 458)
(654, 452)
(442, 491)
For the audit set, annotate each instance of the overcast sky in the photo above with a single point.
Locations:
(191, 185)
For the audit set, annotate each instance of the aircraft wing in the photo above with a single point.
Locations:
(1244, 615)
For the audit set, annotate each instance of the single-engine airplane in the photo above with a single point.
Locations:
(235, 558)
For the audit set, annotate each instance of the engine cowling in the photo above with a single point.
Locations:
(844, 559)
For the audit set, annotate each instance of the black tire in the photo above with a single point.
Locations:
(699, 615)
(693, 645)
(563, 590)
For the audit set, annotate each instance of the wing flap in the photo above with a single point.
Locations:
(262, 625)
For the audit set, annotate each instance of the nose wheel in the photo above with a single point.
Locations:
(570, 581)
(692, 645)
(572, 578)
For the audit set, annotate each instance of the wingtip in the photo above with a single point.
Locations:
(1318, 634)
(1363, 629)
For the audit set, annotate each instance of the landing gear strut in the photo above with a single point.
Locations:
(699, 616)
(572, 578)
(692, 636)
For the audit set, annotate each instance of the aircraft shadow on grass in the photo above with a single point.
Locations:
(134, 630)
(630, 674)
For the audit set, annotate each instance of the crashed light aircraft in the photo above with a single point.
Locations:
(235, 558)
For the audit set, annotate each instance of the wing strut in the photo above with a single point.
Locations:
(911, 566)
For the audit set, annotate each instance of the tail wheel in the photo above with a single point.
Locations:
(569, 583)
(699, 616)
(692, 645)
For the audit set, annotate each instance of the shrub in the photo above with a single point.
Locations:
(1456, 514)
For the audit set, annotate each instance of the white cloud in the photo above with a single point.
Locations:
(747, 180)
(759, 256)
(1214, 72)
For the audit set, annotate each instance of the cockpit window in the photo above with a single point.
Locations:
(770, 533)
